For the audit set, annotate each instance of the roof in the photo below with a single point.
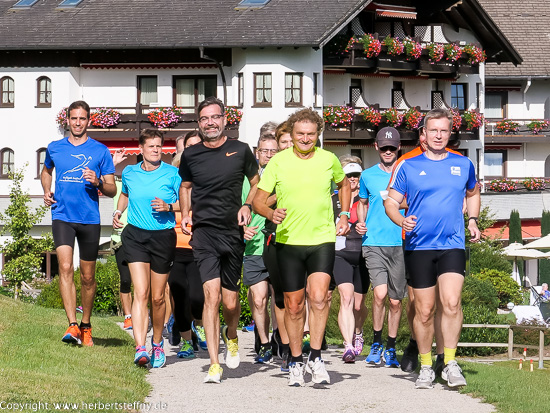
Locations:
(146, 24)
(527, 26)
(529, 205)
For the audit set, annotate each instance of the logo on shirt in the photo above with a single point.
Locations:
(230, 153)
(422, 173)
(455, 170)
(76, 173)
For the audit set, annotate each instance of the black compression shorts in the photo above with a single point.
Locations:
(87, 236)
(157, 247)
(124, 271)
(349, 267)
(425, 266)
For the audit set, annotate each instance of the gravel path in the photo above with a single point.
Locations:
(358, 387)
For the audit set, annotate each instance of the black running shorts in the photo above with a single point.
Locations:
(87, 236)
(297, 262)
(349, 267)
(425, 266)
(157, 247)
(124, 271)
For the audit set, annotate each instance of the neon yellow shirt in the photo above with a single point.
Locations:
(303, 187)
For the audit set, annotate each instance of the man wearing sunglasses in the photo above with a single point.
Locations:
(382, 247)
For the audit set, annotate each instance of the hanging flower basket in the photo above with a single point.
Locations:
(233, 115)
(436, 51)
(62, 119)
(372, 116)
(534, 184)
(536, 126)
(371, 46)
(338, 116)
(475, 54)
(502, 185)
(105, 118)
(392, 117)
(457, 119)
(413, 49)
(394, 46)
(164, 117)
(452, 51)
(412, 118)
(473, 119)
(507, 126)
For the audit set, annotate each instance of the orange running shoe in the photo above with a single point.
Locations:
(128, 323)
(72, 335)
(87, 336)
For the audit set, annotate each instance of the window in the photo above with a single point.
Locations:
(69, 3)
(24, 4)
(494, 164)
(7, 92)
(251, 4)
(316, 95)
(6, 162)
(147, 90)
(190, 91)
(262, 89)
(495, 105)
(40, 157)
(293, 89)
(44, 91)
(458, 96)
(240, 78)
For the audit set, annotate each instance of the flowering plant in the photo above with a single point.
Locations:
(62, 119)
(338, 115)
(371, 115)
(105, 118)
(164, 117)
(412, 118)
(507, 126)
(473, 119)
(351, 42)
(475, 54)
(233, 115)
(435, 51)
(392, 117)
(452, 51)
(534, 184)
(371, 46)
(394, 45)
(537, 125)
(413, 49)
(457, 119)
(502, 185)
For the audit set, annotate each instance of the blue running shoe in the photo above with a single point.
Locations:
(201, 336)
(391, 358)
(186, 351)
(141, 358)
(375, 354)
(264, 355)
(158, 358)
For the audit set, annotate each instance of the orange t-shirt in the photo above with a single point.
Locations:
(183, 240)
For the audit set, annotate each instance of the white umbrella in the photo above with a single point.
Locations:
(529, 254)
(542, 243)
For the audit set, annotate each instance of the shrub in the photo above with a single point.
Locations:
(529, 336)
(479, 314)
(246, 315)
(507, 289)
(487, 255)
(479, 292)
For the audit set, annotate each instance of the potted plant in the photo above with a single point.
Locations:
(393, 117)
(233, 115)
(507, 126)
(164, 117)
(475, 54)
(412, 118)
(105, 118)
(62, 119)
(338, 116)
(371, 116)
(536, 126)
(473, 119)
(351, 42)
(534, 184)
(393, 45)
(452, 51)
(413, 49)
(502, 185)
(435, 52)
(371, 45)
(457, 119)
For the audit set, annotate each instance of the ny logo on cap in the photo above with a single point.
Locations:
(389, 135)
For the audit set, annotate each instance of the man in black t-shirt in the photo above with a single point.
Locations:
(215, 169)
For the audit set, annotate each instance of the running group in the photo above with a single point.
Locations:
(291, 221)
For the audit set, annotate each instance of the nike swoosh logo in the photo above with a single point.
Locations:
(229, 154)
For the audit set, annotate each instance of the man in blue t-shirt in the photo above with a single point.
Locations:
(83, 167)
(382, 247)
(435, 184)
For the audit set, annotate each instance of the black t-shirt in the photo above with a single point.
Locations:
(217, 176)
(353, 239)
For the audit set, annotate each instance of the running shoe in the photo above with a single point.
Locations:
(358, 343)
(141, 358)
(439, 365)
(186, 351)
(409, 361)
(296, 374)
(214, 375)
(200, 334)
(306, 347)
(319, 374)
(285, 356)
(158, 358)
(349, 353)
(72, 335)
(375, 355)
(453, 374)
(425, 378)
(249, 327)
(391, 358)
(128, 323)
(264, 355)
(87, 336)
(232, 358)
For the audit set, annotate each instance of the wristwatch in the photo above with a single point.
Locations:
(100, 183)
(346, 213)
(249, 206)
(170, 208)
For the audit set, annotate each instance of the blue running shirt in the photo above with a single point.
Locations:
(77, 200)
(381, 231)
(142, 187)
(435, 193)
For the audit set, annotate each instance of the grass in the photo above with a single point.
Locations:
(508, 388)
(35, 366)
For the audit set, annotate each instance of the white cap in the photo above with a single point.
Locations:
(352, 167)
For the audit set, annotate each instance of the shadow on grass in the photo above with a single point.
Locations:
(110, 342)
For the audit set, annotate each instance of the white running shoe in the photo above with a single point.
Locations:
(232, 358)
(296, 374)
(425, 378)
(214, 374)
(318, 371)
(453, 374)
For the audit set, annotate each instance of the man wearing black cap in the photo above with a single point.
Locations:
(382, 247)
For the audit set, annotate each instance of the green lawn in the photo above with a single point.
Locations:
(35, 366)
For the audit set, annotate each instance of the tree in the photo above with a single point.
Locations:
(22, 253)
(515, 235)
(544, 265)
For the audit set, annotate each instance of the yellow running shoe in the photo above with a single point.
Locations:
(214, 374)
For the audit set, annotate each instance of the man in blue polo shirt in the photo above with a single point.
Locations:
(435, 184)
(80, 162)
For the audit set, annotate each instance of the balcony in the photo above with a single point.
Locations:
(515, 131)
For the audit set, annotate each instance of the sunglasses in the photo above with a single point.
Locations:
(387, 148)
(353, 175)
